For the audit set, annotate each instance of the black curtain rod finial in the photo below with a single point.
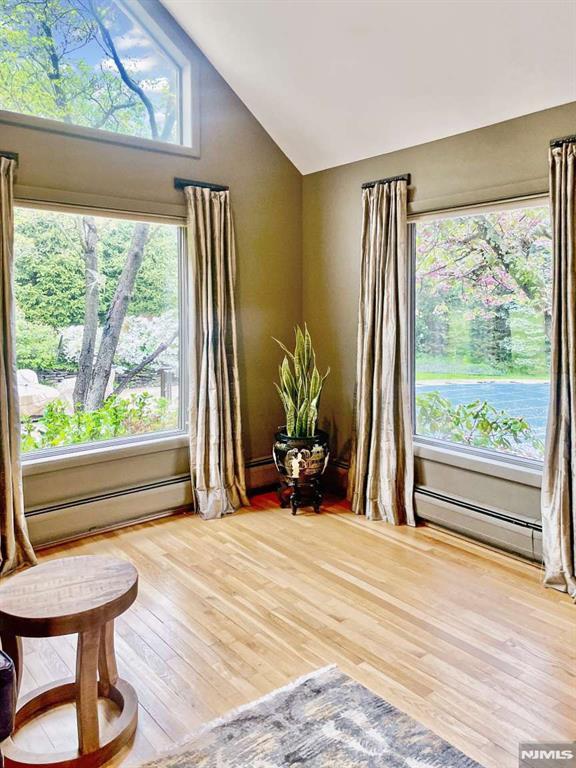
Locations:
(9, 155)
(183, 183)
(402, 177)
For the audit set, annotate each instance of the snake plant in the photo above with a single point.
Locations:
(300, 385)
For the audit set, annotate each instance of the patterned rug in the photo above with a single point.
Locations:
(322, 720)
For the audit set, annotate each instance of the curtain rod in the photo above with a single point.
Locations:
(9, 155)
(563, 140)
(183, 183)
(402, 177)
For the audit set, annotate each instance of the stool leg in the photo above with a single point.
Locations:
(87, 690)
(107, 658)
(12, 645)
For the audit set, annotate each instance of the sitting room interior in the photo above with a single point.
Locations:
(287, 375)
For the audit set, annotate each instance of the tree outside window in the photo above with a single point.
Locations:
(482, 329)
(97, 328)
(87, 63)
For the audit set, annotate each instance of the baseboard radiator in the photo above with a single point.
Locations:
(522, 536)
(496, 527)
(80, 517)
(65, 521)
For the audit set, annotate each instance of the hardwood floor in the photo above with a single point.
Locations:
(464, 639)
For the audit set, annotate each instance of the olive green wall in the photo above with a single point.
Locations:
(504, 160)
(63, 166)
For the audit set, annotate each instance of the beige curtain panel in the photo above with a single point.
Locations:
(558, 486)
(15, 548)
(216, 456)
(381, 476)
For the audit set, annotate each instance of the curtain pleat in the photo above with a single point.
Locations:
(15, 547)
(558, 516)
(381, 476)
(216, 456)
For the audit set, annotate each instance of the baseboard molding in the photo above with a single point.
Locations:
(261, 473)
(83, 517)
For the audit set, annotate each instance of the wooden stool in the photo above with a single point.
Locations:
(60, 597)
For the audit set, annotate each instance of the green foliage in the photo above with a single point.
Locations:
(300, 386)
(477, 424)
(155, 290)
(49, 268)
(118, 417)
(37, 346)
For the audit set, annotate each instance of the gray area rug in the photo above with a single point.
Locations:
(322, 720)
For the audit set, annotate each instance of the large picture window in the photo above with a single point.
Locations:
(88, 63)
(482, 328)
(98, 321)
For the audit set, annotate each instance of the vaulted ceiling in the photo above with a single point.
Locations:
(333, 81)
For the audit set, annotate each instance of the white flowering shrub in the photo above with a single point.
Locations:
(139, 338)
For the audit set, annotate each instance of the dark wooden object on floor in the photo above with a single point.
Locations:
(80, 595)
(296, 494)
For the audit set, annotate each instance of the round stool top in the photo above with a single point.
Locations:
(68, 595)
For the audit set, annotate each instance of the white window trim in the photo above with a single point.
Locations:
(132, 445)
(507, 204)
(189, 101)
(97, 453)
(486, 461)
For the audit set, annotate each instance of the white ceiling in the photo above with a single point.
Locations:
(334, 81)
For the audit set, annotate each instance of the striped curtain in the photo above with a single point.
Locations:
(559, 478)
(15, 547)
(381, 476)
(216, 455)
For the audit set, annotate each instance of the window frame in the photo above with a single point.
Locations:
(188, 144)
(146, 441)
(440, 449)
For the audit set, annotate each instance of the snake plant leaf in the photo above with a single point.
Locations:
(284, 348)
(302, 419)
(291, 422)
(299, 359)
(287, 379)
(315, 383)
(312, 419)
(307, 347)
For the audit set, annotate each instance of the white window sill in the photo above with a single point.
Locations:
(96, 134)
(95, 454)
(491, 465)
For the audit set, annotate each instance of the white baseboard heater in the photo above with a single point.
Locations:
(521, 535)
(64, 521)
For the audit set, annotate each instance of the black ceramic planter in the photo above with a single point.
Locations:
(301, 462)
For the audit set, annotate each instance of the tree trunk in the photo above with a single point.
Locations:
(92, 300)
(501, 342)
(115, 318)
